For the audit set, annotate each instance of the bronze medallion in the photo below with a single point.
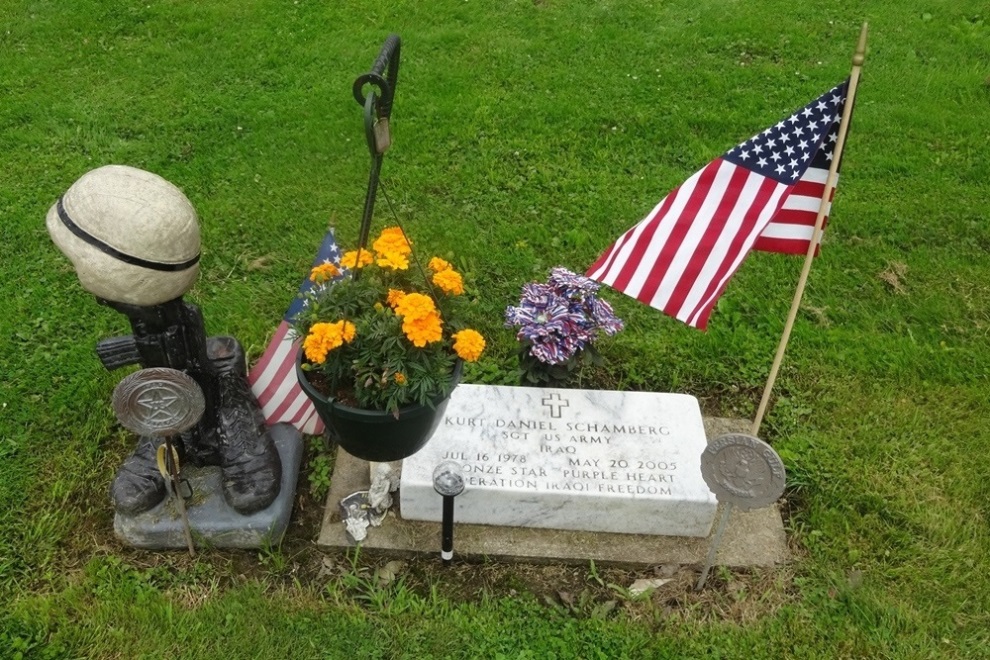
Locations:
(743, 470)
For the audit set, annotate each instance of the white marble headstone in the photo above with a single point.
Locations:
(568, 459)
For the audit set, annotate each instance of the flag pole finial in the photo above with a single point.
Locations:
(860, 55)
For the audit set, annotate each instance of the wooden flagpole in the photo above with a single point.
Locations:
(858, 58)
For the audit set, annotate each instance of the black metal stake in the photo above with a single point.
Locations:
(447, 532)
(448, 481)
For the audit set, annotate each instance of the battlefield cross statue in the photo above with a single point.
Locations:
(133, 238)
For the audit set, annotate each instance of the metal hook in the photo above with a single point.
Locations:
(388, 59)
(377, 109)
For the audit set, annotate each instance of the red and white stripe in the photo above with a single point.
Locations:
(681, 256)
(792, 228)
(274, 383)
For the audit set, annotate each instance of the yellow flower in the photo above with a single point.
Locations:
(400, 378)
(323, 272)
(394, 297)
(314, 348)
(325, 337)
(437, 264)
(468, 344)
(347, 331)
(450, 281)
(423, 330)
(392, 240)
(350, 259)
(391, 249)
(414, 306)
(392, 260)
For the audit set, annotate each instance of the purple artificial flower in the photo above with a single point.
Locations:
(605, 318)
(572, 284)
(546, 320)
(559, 318)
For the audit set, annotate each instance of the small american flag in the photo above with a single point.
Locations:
(762, 194)
(273, 379)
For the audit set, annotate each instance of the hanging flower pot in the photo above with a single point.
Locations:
(381, 348)
(383, 335)
(378, 435)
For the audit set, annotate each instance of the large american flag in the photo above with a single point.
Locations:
(762, 194)
(273, 379)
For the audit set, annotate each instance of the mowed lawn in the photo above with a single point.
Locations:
(527, 134)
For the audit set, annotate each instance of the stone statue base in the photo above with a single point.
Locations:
(213, 522)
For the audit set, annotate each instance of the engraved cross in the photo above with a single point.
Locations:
(555, 404)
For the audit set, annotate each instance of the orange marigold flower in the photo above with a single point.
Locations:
(415, 305)
(350, 259)
(325, 337)
(323, 272)
(392, 240)
(468, 344)
(450, 281)
(394, 297)
(393, 260)
(315, 348)
(437, 264)
(424, 329)
(400, 378)
(347, 331)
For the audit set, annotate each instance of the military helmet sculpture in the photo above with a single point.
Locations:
(134, 240)
(132, 236)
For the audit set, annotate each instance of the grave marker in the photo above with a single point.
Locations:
(591, 460)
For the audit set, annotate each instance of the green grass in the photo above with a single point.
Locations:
(527, 134)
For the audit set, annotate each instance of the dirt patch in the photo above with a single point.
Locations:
(894, 276)
(589, 591)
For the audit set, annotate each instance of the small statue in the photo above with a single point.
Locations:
(133, 238)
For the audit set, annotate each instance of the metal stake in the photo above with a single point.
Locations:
(448, 481)
(447, 530)
(723, 522)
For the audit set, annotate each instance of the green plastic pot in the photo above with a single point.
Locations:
(376, 435)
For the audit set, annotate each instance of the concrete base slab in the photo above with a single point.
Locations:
(212, 521)
(752, 538)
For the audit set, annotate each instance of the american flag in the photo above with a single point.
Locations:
(762, 194)
(273, 378)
